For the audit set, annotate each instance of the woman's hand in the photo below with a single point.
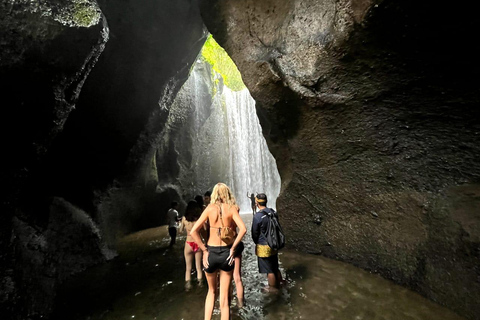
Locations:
(231, 257)
(205, 259)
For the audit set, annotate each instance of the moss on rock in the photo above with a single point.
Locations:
(79, 13)
(214, 54)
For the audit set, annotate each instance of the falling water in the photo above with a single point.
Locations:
(217, 137)
(252, 165)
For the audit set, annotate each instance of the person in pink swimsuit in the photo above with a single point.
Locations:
(191, 251)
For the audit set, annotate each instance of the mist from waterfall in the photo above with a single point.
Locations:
(216, 137)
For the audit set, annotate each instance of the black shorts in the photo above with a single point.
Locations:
(239, 249)
(217, 259)
(268, 265)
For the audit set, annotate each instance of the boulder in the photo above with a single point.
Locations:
(47, 50)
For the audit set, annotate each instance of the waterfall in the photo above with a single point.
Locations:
(252, 166)
(215, 135)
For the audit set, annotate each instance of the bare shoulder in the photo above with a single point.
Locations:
(211, 208)
(234, 210)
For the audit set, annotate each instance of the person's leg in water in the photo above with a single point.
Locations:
(237, 277)
(198, 265)
(210, 299)
(275, 280)
(173, 234)
(225, 281)
(189, 256)
(272, 282)
(279, 278)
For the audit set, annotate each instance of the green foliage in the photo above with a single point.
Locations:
(221, 63)
(77, 13)
(85, 14)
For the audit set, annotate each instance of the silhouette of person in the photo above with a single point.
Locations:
(173, 218)
(199, 200)
(207, 198)
(252, 202)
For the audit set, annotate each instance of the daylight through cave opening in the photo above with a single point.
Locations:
(214, 134)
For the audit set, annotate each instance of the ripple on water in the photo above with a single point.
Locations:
(147, 282)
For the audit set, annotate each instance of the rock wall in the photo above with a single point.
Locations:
(65, 149)
(47, 51)
(145, 62)
(138, 77)
(44, 257)
(373, 118)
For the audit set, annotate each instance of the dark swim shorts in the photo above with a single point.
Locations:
(239, 249)
(217, 259)
(268, 265)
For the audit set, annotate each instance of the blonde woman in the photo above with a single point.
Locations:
(218, 256)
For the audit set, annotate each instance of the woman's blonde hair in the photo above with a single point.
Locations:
(222, 194)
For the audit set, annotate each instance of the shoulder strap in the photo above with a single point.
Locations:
(221, 220)
(265, 214)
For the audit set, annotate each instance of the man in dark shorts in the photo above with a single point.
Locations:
(266, 256)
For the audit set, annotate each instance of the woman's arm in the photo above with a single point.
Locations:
(196, 228)
(182, 225)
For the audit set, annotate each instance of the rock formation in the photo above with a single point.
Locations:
(47, 51)
(378, 114)
(370, 108)
(64, 152)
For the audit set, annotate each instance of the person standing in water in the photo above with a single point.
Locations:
(191, 251)
(199, 199)
(267, 257)
(252, 202)
(206, 199)
(237, 275)
(218, 255)
(173, 218)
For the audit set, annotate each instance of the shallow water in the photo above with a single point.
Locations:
(146, 281)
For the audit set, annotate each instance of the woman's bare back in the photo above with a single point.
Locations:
(213, 212)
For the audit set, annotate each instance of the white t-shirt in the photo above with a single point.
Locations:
(172, 215)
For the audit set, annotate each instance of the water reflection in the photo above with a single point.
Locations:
(146, 282)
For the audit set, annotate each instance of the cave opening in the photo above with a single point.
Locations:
(373, 121)
(214, 135)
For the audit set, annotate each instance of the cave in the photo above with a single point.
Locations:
(368, 107)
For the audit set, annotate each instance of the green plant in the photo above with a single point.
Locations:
(214, 54)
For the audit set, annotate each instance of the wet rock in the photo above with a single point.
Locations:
(317, 219)
(69, 244)
(123, 104)
(361, 103)
(48, 49)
